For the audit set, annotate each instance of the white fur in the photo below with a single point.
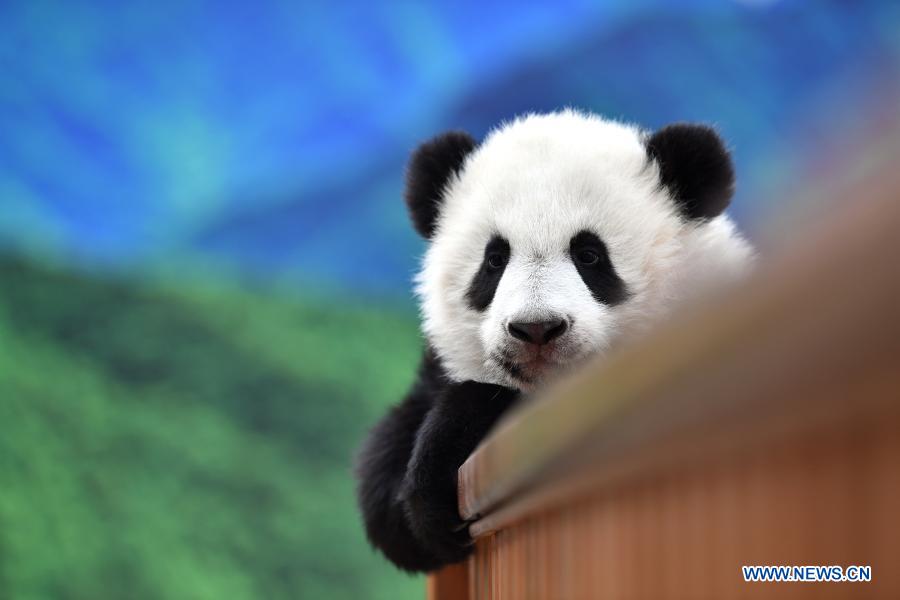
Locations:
(537, 181)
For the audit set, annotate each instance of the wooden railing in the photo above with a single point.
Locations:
(760, 429)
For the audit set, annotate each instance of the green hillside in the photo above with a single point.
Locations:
(157, 442)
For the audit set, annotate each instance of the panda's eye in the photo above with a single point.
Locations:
(587, 257)
(495, 260)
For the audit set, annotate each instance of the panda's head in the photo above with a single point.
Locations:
(558, 232)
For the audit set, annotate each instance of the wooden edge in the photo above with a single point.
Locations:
(819, 315)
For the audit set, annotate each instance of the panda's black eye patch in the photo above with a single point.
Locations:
(484, 284)
(592, 261)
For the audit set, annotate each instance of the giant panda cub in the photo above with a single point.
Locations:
(546, 242)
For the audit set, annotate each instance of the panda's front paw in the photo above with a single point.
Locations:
(461, 416)
(434, 520)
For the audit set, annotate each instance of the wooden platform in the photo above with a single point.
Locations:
(760, 429)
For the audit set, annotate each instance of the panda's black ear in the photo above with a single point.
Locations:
(430, 168)
(696, 167)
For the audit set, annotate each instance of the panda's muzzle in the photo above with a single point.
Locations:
(534, 348)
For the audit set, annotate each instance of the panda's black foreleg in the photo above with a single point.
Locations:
(460, 418)
(381, 468)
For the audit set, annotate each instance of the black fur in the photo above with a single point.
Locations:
(407, 467)
(429, 170)
(598, 275)
(484, 284)
(695, 166)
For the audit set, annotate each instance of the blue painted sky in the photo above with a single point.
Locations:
(270, 138)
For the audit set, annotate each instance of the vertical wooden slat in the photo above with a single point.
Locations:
(450, 583)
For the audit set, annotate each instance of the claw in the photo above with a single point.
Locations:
(461, 526)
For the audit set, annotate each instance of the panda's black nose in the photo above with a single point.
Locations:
(538, 332)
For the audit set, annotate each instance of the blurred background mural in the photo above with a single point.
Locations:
(205, 262)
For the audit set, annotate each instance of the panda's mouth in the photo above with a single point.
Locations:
(516, 371)
(527, 372)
